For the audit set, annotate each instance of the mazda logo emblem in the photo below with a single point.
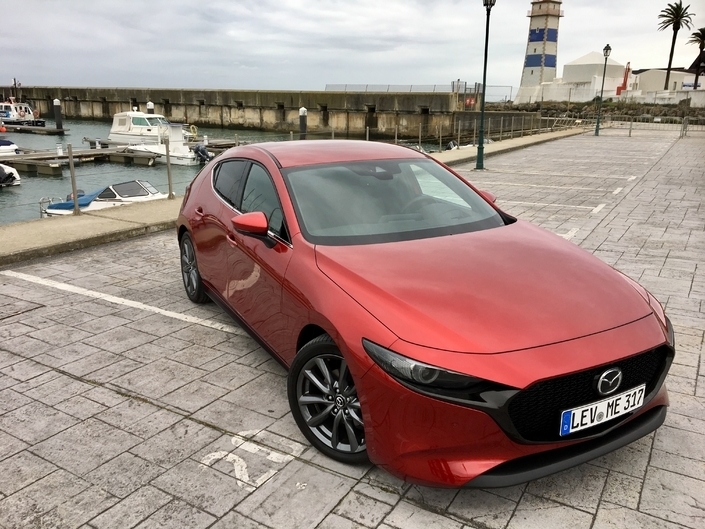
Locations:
(609, 381)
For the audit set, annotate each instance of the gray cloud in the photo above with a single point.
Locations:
(297, 44)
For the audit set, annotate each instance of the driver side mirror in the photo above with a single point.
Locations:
(253, 224)
(488, 196)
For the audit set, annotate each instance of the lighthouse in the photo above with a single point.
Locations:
(541, 48)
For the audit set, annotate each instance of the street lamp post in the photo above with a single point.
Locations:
(489, 4)
(606, 52)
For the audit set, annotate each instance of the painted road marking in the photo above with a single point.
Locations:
(552, 205)
(531, 173)
(617, 191)
(539, 185)
(122, 301)
(631, 178)
(568, 236)
(598, 208)
(240, 469)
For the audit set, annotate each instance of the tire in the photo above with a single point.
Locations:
(193, 285)
(324, 401)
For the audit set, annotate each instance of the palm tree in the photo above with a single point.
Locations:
(674, 16)
(698, 37)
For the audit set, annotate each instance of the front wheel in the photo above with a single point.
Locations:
(324, 401)
(193, 285)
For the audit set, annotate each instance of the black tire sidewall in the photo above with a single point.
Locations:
(199, 296)
(323, 345)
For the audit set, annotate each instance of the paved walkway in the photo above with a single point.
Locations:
(124, 405)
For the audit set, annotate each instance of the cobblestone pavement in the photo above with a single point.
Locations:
(122, 404)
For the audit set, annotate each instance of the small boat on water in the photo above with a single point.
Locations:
(8, 149)
(15, 113)
(149, 132)
(9, 176)
(115, 195)
(137, 127)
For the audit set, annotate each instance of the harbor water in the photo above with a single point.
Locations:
(20, 203)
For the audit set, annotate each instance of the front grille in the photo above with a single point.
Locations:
(536, 411)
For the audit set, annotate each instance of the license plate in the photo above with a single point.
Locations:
(586, 416)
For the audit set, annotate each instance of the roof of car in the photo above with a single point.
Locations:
(310, 152)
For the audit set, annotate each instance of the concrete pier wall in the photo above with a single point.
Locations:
(344, 113)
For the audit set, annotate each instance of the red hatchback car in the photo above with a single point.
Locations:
(422, 327)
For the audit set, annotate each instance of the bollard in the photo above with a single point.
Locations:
(168, 170)
(367, 133)
(57, 115)
(501, 127)
(59, 149)
(205, 139)
(237, 140)
(511, 134)
(150, 107)
(74, 189)
(303, 122)
(291, 135)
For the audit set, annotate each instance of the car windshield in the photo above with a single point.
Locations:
(383, 201)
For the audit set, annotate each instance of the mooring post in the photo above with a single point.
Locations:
(367, 133)
(511, 134)
(419, 136)
(168, 170)
(237, 140)
(332, 133)
(150, 107)
(74, 188)
(303, 119)
(57, 115)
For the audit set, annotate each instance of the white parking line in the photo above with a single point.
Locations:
(122, 301)
(617, 191)
(552, 205)
(571, 233)
(531, 173)
(539, 185)
(598, 208)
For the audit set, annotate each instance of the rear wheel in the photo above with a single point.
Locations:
(193, 285)
(324, 401)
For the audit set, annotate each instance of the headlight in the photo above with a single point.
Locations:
(430, 379)
(671, 334)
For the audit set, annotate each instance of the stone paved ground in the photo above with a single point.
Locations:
(143, 410)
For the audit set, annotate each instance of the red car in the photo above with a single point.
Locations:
(423, 327)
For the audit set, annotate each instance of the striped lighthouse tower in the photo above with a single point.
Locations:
(541, 48)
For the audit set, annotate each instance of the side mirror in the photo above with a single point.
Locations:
(253, 223)
(488, 196)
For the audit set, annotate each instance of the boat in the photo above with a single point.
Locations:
(9, 176)
(148, 133)
(179, 152)
(13, 112)
(8, 149)
(121, 194)
(137, 127)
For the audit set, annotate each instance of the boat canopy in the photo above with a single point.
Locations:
(83, 201)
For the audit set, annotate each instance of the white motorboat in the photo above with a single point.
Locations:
(115, 195)
(15, 113)
(138, 127)
(9, 176)
(179, 152)
(8, 149)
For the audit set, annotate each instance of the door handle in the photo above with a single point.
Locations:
(199, 211)
(231, 240)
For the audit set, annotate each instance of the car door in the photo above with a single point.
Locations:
(256, 269)
(211, 224)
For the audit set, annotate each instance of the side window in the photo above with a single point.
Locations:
(227, 178)
(260, 195)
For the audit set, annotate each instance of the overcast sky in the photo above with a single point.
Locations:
(306, 44)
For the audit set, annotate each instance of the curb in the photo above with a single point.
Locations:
(79, 244)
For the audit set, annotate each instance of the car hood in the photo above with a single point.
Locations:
(491, 291)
